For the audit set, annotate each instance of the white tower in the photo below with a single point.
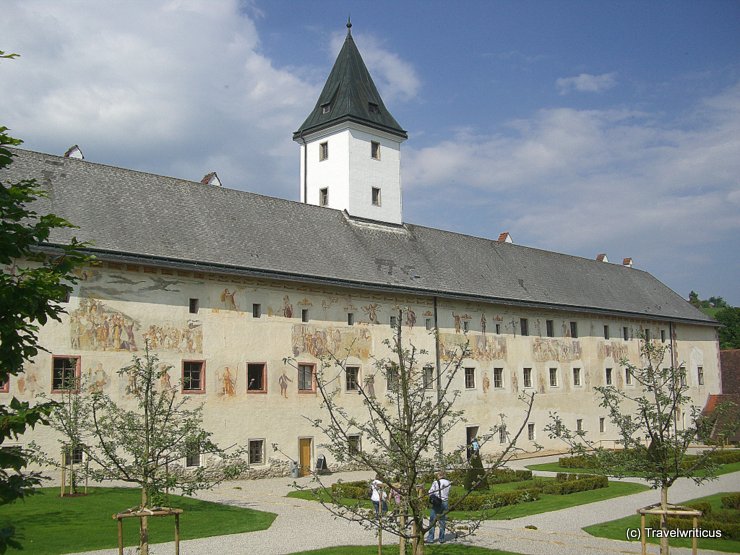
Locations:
(351, 145)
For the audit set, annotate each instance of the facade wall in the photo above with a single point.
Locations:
(116, 309)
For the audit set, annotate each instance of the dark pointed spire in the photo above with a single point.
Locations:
(350, 95)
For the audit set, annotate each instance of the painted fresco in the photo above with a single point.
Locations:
(371, 311)
(283, 382)
(96, 378)
(227, 382)
(482, 347)
(617, 351)
(320, 342)
(410, 318)
(228, 298)
(97, 327)
(28, 382)
(555, 349)
(182, 339)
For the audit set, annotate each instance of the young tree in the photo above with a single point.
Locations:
(146, 443)
(32, 288)
(654, 435)
(401, 432)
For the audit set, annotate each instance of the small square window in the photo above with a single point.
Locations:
(428, 324)
(256, 451)
(354, 444)
(375, 150)
(553, 377)
(194, 306)
(256, 310)
(470, 378)
(602, 424)
(498, 378)
(606, 331)
(304, 315)
(627, 376)
(352, 374)
(574, 330)
(375, 196)
(428, 377)
(608, 376)
(373, 108)
(699, 375)
(324, 196)
(326, 108)
(550, 328)
(524, 325)
(350, 318)
(256, 377)
(576, 377)
(625, 333)
(579, 425)
(306, 381)
(65, 374)
(323, 151)
(73, 456)
(530, 432)
(193, 376)
(527, 377)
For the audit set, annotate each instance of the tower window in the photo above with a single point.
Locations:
(323, 151)
(326, 108)
(376, 196)
(324, 196)
(373, 108)
(375, 150)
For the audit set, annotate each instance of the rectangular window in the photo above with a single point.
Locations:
(323, 151)
(550, 328)
(391, 378)
(466, 326)
(393, 322)
(256, 451)
(524, 325)
(304, 315)
(375, 150)
(625, 333)
(193, 306)
(73, 456)
(428, 324)
(527, 377)
(354, 444)
(576, 377)
(579, 425)
(376, 196)
(699, 375)
(256, 377)
(608, 376)
(602, 424)
(352, 375)
(324, 196)
(256, 310)
(682, 376)
(193, 376)
(350, 318)
(5, 384)
(502, 434)
(498, 378)
(574, 330)
(662, 336)
(470, 378)
(192, 454)
(498, 329)
(606, 331)
(553, 377)
(306, 382)
(627, 376)
(530, 432)
(428, 377)
(65, 374)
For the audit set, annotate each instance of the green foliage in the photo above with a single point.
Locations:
(351, 490)
(731, 501)
(475, 476)
(729, 333)
(478, 501)
(583, 482)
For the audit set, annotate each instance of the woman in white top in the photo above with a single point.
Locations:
(377, 494)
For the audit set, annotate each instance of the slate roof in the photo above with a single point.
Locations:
(130, 215)
(349, 93)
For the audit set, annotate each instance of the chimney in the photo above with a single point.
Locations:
(627, 262)
(74, 152)
(211, 179)
(602, 257)
(505, 237)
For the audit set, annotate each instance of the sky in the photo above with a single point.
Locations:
(579, 127)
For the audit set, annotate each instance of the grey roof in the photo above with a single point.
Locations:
(348, 95)
(134, 215)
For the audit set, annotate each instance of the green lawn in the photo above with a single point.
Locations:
(46, 523)
(546, 502)
(433, 549)
(555, 467)
(617, 530)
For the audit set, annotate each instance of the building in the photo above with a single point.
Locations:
(225, 284)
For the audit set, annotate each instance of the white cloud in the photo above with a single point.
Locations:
(585, 82)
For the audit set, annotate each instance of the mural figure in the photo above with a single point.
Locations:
(168, 338)
(164, 380)
(616, 351)
(486, 382)
(96, 378)
(481, 347)
(324, 341)
(410, 318)
(483, 322)
(554, 349)
(28, 382)
(370, 385)
(229, 383)
(287, 307)
(457, 322)
(97, 327)
(372, 312)
(283, 381)
(229, 300)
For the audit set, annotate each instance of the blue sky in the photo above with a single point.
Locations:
(579, 127)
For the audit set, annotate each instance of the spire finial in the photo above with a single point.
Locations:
(349, 26)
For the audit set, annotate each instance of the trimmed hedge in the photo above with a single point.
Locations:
(726, 457)
(477, 501)
(578, 461)
(730, 528)
(583, 483)
(354, 490)
(507, 475)
(731, 501)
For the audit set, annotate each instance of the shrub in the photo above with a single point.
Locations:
(578, 461)
(730, 528)
(731, 501)
(726, 457)
(354, 490)
(478, 501)
(580, 484)
(475, 477)
(507, 475)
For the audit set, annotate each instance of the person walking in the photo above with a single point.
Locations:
(439, 495)
(378, 496)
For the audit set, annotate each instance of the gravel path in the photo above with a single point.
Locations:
(303, 525)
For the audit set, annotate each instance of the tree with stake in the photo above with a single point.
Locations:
(400, 433)
(654, 439)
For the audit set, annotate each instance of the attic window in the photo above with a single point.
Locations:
(323, 151)
(326, 108)
(373, 108)
(376, 196)
(375, 150)
(324, 196)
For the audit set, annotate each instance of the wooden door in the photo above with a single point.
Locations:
(304, 451)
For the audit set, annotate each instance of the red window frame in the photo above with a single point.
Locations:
(75, 389)
(202, 388)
